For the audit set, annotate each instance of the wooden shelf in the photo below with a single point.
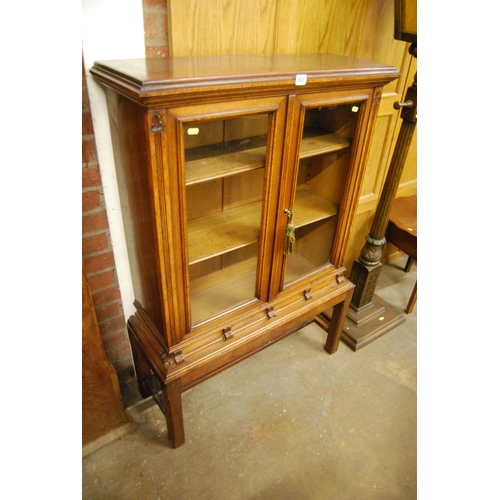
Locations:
(223, 232)
(310, 207)
(223, 165)
(226, 231)
(315, 142)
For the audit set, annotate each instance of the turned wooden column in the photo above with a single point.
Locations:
(369, 316)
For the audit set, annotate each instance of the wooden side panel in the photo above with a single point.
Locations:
(135, 199)
(102, 405)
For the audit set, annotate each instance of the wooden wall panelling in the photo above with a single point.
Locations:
(301, 26)
(360, 28)
(210, 27)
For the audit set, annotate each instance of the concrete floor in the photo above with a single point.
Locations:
(289, 423)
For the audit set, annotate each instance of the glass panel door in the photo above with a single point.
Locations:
(325, 154)
(225, 163)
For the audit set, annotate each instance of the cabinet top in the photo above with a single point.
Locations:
(161, 76)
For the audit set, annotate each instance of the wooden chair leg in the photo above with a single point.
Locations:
(408, 265)
(412, 301)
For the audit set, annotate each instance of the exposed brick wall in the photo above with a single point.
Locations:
(97, 252)
(155, 28)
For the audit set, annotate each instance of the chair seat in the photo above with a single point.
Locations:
(402, 233)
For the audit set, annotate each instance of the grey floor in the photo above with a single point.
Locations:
(289, 423)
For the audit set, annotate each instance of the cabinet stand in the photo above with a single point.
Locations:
(154, 365)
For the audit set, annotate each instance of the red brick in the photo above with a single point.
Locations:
(108, 312)
(149, 26)
(94, 222)
(164, 27)
(112, 326)
(102, 280)
(105, 296)
(154, 3)
(99, 262)
(88, 151)
(113, 339)
(157, 51)
(91, 177)
(87, 126)
(91, 200)
(120, 357)
(96, 243)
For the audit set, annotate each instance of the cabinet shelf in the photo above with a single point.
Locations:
(315, 142)
(226, 231)
(223, 165)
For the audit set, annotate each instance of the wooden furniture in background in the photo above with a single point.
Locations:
(104, 417)
(370, 316)
(405, 20)
(240, 178)
(402, 233)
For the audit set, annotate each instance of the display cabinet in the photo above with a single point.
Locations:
(239, 179)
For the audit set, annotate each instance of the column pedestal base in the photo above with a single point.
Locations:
(369, 323)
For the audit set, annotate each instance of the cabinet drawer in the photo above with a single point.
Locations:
(263, 324)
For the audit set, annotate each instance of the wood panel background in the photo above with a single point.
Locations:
(359, 28)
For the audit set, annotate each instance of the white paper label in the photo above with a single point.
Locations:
(300, 79)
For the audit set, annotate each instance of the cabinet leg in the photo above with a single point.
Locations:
(142, 369)
(172, 397)
(337, 323)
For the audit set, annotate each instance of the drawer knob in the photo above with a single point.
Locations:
(308, 294)
(227, 333)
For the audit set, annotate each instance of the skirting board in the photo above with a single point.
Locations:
(109, 437)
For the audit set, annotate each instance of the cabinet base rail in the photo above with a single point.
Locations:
(156, 375)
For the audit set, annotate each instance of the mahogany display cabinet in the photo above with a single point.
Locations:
(239, 180)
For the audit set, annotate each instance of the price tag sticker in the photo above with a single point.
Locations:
(300, 79)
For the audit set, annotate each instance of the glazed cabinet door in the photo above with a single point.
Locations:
(327, 161)
(229, 166)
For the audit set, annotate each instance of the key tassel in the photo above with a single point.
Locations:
(289, 246)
